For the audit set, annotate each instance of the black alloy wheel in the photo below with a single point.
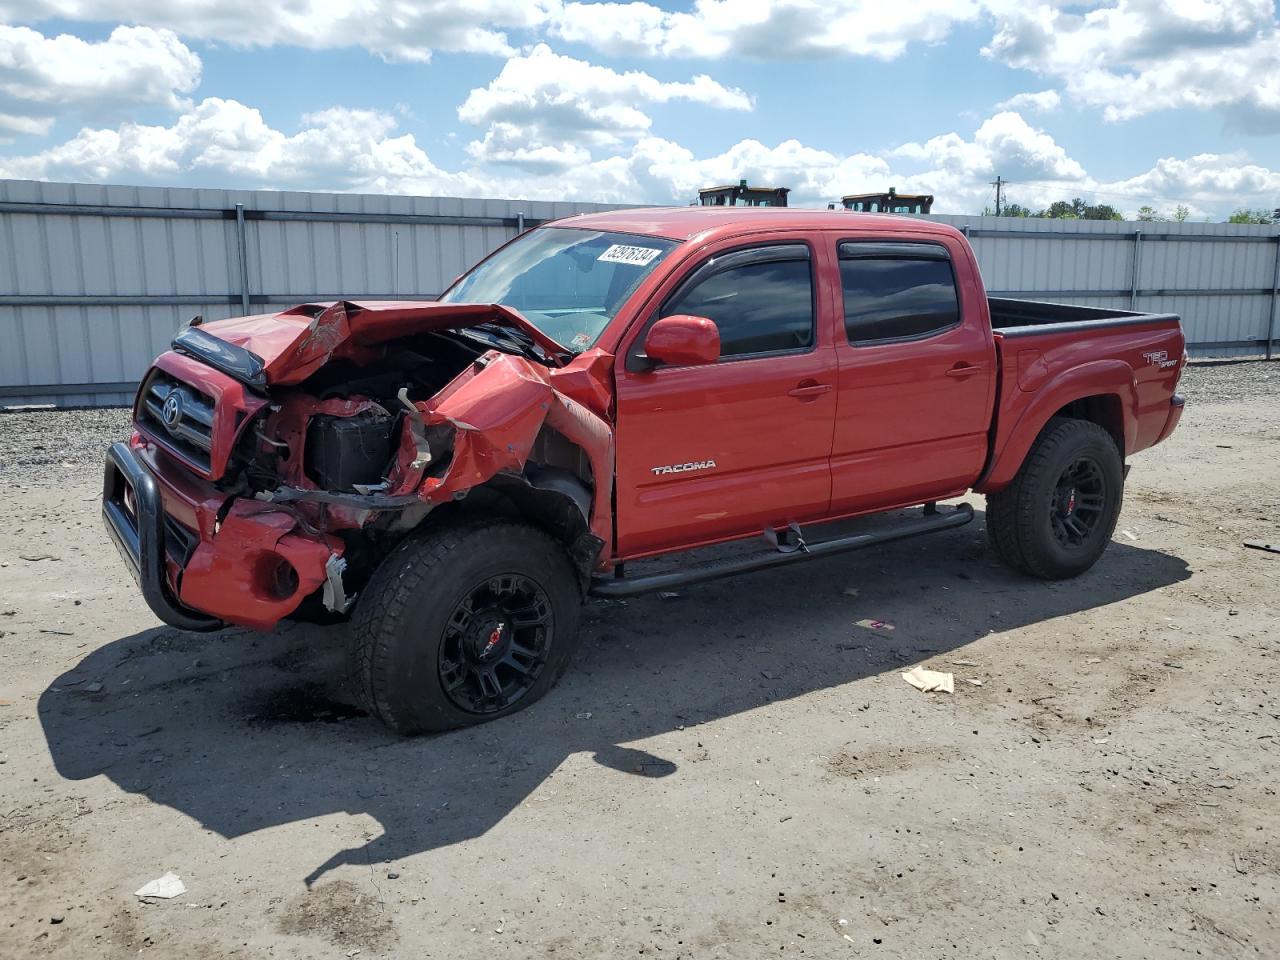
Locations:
(495, 644)
(1078, 502)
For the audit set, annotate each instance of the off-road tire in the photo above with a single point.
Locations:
(400, 622)
(1020, 518)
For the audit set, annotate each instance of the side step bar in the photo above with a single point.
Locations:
(615, 587)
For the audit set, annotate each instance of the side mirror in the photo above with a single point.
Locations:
(683, 341)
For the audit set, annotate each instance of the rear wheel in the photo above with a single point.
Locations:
(1056, 518)
(464, 624)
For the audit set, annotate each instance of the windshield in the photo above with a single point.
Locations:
(568, 283)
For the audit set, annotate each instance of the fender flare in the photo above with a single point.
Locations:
(1110, 377)
(560, 502)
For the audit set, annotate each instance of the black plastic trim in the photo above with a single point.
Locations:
(237, 362)
(610, 586)
(140, 538)
(891, 250)
(1082, 326)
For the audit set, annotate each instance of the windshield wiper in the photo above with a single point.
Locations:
(508, 339)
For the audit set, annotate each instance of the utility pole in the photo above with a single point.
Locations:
(998, 183)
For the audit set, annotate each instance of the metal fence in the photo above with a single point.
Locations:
(94, 280)
(1223, 279)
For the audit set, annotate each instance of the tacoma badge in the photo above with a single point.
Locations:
(683, 467)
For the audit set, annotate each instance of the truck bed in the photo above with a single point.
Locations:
(1114, 366)
(1015, 317)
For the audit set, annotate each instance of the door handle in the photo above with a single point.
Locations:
(809, 390)
(961, 370)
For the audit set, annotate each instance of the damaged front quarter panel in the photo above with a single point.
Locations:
(497, 409)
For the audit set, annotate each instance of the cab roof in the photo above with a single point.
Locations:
(685, 223)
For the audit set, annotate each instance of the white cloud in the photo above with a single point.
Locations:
(1134, 57)
(1204, 182)
(1045, 101)
(225, 143)
(225, 139)
(544, 109)
(15, 123)
(509, 143)
(1005, 144)
(767, 29)
(1123, 57)
(42, 76)
(392, 29)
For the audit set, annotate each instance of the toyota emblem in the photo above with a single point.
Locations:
(171, 412)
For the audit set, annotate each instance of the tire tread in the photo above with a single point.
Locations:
(389, 600)
(1011, 520)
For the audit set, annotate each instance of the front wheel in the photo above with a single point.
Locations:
(1057, 516)
(464, 624)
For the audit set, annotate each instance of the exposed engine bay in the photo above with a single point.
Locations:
(353, 416)
(349, 423)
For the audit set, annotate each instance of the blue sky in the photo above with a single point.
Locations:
(1128, 102)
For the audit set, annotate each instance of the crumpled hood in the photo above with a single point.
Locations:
(294, 343)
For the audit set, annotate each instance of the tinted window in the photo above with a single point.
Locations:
(885, 299)
(759, 307)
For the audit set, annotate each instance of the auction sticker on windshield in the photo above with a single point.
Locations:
(622, 253)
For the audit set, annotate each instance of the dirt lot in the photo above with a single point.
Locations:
(737, 772)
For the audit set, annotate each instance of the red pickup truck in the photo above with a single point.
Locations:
(456, 476)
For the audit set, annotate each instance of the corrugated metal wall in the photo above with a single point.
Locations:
(94, 280)
(1221, 278)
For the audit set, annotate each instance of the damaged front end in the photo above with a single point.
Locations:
(290, 453)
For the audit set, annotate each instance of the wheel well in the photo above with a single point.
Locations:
(553, 492)
(1104, 409)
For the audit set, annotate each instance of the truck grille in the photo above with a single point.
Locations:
(178, 417)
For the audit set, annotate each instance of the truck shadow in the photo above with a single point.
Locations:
(246, 731)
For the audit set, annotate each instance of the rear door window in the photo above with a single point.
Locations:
(897, 291)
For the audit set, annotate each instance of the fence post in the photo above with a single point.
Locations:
(1137, 266)
(243, 248)
(1275, 300)
(519, 222)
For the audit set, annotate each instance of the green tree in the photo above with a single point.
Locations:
(1244, 215)
(1180, 213)
(1150, 214)
(1077, 209)
(1102, 211)
(1062, 210)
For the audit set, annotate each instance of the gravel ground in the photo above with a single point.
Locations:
(735, 772)
(1231, 381)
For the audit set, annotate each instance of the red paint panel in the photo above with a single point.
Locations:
(1115, 362)
(906, 427)
(236, 576)
(763, 422)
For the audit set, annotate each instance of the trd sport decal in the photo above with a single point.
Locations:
(683, 467)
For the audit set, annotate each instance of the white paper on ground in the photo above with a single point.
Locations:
(929, 681)
(163, 888)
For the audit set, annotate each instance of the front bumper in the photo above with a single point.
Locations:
(134, 517)
(249, 567)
